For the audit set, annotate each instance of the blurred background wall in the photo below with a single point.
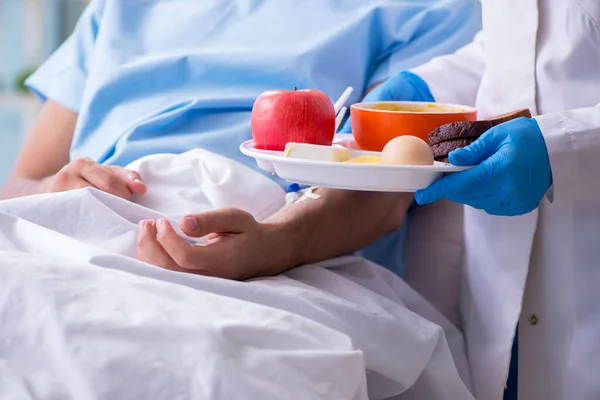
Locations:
(30, 30)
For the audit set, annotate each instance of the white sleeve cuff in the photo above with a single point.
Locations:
(562, 155)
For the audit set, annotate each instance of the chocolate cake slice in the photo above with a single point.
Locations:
(442, 149)
(449, 137)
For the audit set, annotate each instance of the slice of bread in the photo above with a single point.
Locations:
(449, 137)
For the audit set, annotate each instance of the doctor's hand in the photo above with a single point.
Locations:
(405, 86)
(512, 174)
(84, 172)
(238, 246)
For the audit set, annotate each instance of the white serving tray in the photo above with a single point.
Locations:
(349, 176)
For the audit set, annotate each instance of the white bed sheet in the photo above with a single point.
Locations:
(81, 318)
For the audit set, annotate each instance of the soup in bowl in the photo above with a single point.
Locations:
(375, 124)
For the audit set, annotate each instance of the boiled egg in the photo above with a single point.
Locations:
(407, 150)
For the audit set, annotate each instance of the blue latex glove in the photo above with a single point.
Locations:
(405, 86)
(511, 177)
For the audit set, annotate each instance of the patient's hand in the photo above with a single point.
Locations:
(239, 247)
(339, 222)
(84, 172)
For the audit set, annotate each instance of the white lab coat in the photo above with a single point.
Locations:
(541, 269)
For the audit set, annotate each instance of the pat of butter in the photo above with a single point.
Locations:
(305, 151)
(365, 160)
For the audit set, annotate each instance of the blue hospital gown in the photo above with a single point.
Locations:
(152, 76)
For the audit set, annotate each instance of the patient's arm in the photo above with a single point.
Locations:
(338, 223)
(44, 163)
(45, 152)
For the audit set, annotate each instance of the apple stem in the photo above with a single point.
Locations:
(295, 88)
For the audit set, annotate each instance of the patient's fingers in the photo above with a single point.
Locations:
(105, 179)
(226, 256)
(189, 258)
(64, 181)
(85, 172)
(212, 237)
(150, 250)
(177, 248)
(227, 220)
(133, 180)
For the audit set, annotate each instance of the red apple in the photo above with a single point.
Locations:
(300, 116)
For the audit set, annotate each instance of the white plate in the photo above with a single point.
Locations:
(349, 176)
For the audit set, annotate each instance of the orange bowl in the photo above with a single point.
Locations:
(375, 124)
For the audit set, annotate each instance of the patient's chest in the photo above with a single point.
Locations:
(170, 76)
(213, 45)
